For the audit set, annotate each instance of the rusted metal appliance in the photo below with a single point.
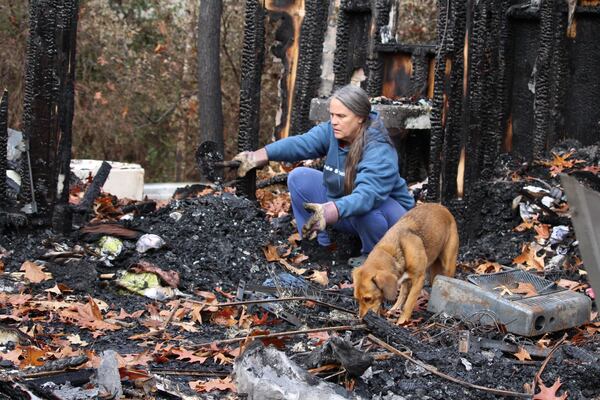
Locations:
(488, 298)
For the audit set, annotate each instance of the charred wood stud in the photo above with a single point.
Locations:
(81, 212)
(3, 149)
(252, 63)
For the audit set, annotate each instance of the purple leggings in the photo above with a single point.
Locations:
(306, 186)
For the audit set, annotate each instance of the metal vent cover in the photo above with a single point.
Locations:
(511, 279)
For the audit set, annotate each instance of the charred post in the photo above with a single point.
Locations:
(443, 67)
(252, 62)
(82, 211)
(420, 77)
(543, 77)
(3, 148)
(209, 78)
(352, 38)
(48, 105)
(379, 21)
(455, 96)
(306, 87)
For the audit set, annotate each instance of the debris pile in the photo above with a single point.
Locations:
(185, 299)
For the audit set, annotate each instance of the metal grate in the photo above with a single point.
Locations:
(511, 279)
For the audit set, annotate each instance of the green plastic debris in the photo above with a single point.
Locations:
(147, 284)
(110, 246)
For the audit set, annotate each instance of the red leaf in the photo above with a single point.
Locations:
(549, 393)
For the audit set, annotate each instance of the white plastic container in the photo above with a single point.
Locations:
(124, 181)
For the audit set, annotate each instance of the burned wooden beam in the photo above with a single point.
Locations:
(380, 17)
(306, 87)
(351, 41)
(252, 63)
(82, 211)
(3, 149)
(543, 77)
(443, 66)
(380, 327)
(299, 45)
(48, 105)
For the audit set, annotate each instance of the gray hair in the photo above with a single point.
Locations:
(355, 99)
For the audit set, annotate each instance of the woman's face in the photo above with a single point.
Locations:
(345, 123)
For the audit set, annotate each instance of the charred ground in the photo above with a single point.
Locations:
(218, 239)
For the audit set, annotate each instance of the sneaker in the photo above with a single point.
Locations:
(357, 261)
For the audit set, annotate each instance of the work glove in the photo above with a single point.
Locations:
(323, 214)
(250, 160)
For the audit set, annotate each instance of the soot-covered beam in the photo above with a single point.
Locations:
(543, 77)
(307, 85)
(3, 149)
(379, 21)
(48, 105)
(439, 106)
(455, 95)
(252, 63)
(300, 35)
(352, 40)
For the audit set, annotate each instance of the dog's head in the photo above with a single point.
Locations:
(374, 281)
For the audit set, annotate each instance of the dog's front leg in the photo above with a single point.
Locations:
(411, 300)
(403, 284)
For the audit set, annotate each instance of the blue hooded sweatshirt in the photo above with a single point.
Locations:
(377, 174)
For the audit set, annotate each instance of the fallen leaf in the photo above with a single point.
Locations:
(222, 359)
(488, 267)
(594, 169)
(560, 162)
(213, 384)
(183, 354)
(504, 290)
(227, 295)
(76, 340)
(522, 354)
(294, 239)
(271, 253)
(524, 226)
(225, 316)
(543, 232)
(260, 321)
(320, 277)
(291, 268)
(320, 336)
(549, 393)
(543, 343)
(526, 289)
(298, 259)
(54, 289)
(571, 285)
(529, 257)
(33, 272)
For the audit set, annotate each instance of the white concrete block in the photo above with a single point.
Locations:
(124, 181)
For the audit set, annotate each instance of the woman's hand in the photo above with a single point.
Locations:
(323, 214)
(250, 160)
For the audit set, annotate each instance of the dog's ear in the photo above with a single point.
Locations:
(387, 283)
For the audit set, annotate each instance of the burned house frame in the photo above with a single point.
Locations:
(504, 76)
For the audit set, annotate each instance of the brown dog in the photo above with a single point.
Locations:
(424, 237)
